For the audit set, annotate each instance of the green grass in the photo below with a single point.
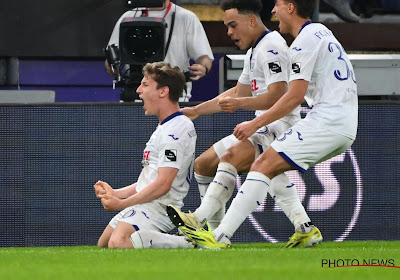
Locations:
(243, 261)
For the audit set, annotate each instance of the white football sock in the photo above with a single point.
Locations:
(153, 239)
(218, 193)
(285, 195)
(203, 182)
(249, 197)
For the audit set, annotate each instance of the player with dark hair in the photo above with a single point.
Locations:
(261, 84)
(167, 168)
(322, 75)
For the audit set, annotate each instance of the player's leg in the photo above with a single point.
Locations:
(125, 236)
(205, 169)
(249, 197)
(252, 193)
(241, 154)
(206, 164)
(153, 239)
(120, 237)
(284, 192)
(147, 222)
(238, 157)
(307, 146)
(105, 237)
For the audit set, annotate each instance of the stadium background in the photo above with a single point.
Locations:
(53, 154)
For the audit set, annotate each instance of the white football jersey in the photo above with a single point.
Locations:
(318, 57)
(267, 63)
(172, 144)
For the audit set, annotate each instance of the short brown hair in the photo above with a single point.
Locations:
(305, 8)
(167, 76)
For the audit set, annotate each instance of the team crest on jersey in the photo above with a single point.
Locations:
(170, 155)
(296, 68)
(274, 67)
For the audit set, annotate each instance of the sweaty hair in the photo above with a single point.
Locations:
(305, 8)
(243, 6)
(166, 76)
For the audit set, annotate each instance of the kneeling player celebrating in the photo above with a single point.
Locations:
(167, 166)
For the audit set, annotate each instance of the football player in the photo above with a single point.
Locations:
(167, 168)
(262, 83)
(322, 75)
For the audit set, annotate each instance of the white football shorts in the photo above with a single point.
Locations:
(261, 140)
(308, 143)
(144, 216)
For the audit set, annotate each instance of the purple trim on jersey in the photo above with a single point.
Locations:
(261, 37)
(170, 117)
(136, 227)
(291, 162)
(260, 148)
(304, 25)
(258, 41)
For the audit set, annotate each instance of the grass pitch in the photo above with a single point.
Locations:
(243, 261)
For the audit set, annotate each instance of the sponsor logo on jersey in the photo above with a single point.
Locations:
(296, 68)
(170, 155)
(272, 51)
(274, 67)
(146, 159)
(173, 137)
(297, 49)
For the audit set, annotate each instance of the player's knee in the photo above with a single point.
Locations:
(102, 244)
(262, 166)
(228, 156)
(115, 243)
(205, 166)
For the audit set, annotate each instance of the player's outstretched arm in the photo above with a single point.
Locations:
(212, 106)
(289, 101)
(259, 102)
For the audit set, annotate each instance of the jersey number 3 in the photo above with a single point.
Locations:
(337, 73)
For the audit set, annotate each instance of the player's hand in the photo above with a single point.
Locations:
(229, 104)
(190, 112)
(110, 71)
(102, 188)
(197, 71)
(244, 130)
(111, 203)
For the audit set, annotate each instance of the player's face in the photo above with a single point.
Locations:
(238, 28)
(280, 11)
(149, 93)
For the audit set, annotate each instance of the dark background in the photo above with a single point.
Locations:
(57, 28)
(72, 28)
(52, 155)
